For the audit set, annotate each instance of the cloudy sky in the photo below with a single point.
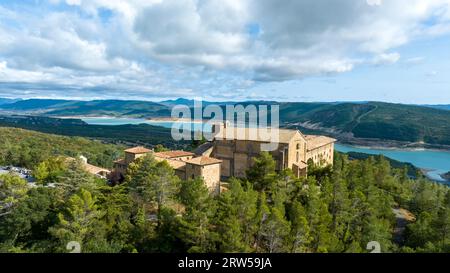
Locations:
(303, 50)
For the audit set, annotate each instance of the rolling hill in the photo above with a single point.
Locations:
(142, 134)
(363, 120)
(93, 108)
(26, 148)
(7, 101)
(377, 120)
(440, 106)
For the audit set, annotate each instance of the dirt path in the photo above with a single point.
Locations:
(403, 218)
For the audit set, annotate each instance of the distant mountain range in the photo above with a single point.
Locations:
(7, 101)
(371, 120)
(440, 106)
(96, 107)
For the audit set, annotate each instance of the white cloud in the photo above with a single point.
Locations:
(386, 58)
(145, 43)
(432, 73)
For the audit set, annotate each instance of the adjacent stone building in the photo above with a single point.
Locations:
(237, 147)
(121, 165)
(206, 167)
(186, 165)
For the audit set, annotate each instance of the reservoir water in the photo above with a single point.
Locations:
(135, 121)
(437, 162)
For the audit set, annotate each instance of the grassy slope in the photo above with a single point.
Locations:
(27, 148)
(136, 134)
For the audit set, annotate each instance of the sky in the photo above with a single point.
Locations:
(221, 50)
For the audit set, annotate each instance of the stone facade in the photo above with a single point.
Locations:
(232, 151)
(206, 167)
(238, 147)
(320, 150)
(186, 165)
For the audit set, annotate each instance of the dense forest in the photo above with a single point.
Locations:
(335, 209)
(27, 149)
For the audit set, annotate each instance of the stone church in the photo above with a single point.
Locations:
(232, 150)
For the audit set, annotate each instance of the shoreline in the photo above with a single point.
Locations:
(389, 145)
(445, 176)
(170, 119)
(380, 146)
(158, 119)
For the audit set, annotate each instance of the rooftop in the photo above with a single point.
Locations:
(314, 142)
(173, 154)
(204, 160)
(138, 150)
(176, 164)
(257, 134)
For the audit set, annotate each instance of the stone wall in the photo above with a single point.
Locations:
(322, 155)
(209, 173)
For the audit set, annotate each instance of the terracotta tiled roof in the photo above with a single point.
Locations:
(257, 134)
(314, 142)
(176, 164)
(138, 150)
(173, 154)
(204, 160)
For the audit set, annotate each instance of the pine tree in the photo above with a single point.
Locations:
(12, 190)
(441, 225)
(300, 232)
(196, 224)
(274, 231)
(262, 174)
(319, 220)
(261, 217)
(80, 222)
(153, 182)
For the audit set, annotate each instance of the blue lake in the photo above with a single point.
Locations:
(438, 162)
(122, 121)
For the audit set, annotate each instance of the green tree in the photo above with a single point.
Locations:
(262, 174)
(50, 170)
(80, 222)
(12, 190)
(300, 232)
(274, 232)
(153, 182)
(196, 224)
(26, 227)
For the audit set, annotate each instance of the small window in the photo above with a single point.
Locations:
(298, 146)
